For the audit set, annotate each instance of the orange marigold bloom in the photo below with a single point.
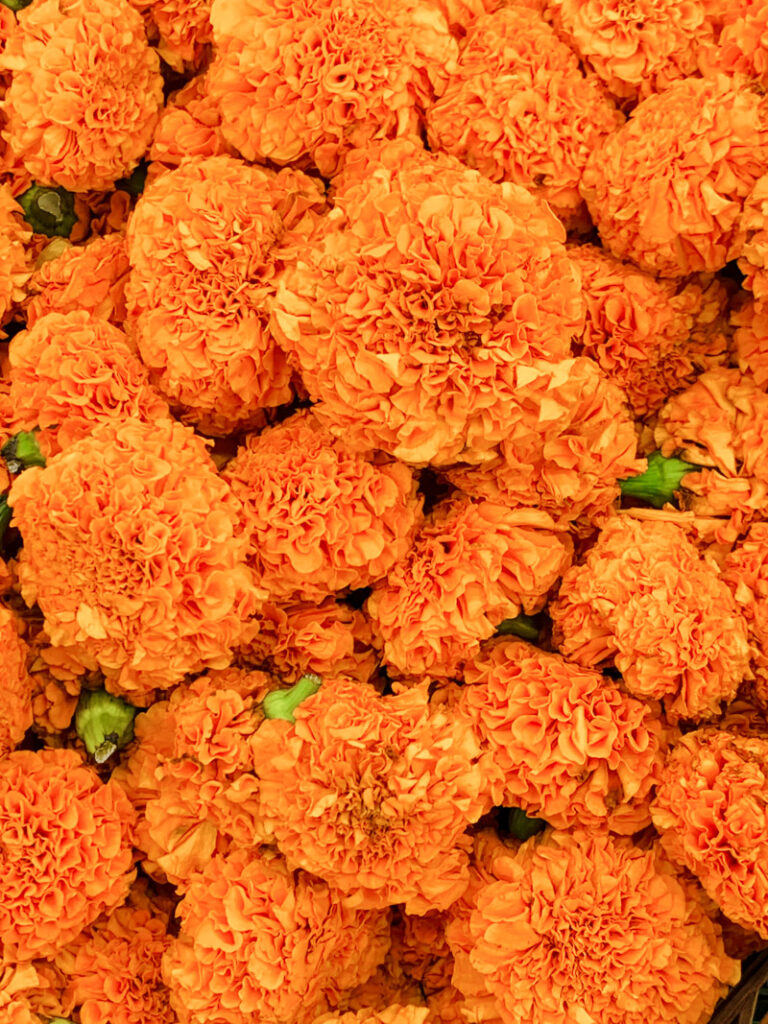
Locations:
(318, 517)
(393, 1014)
(646, 602)
(15, 270)
(473, 564)
(27, 992)
(259, 942)
(73, 370)
(649, 335)
(189, 126)
(426, 290)
(205, 243)
(741, 45)
(85, 92)
(754, 259)
(746, 573)
(750, 340)
(560, 741)
(585, 926)
(372, 793)
(711, 809)
(131, 552)
(638, 48)
(184, 28)
(90, 277)
(65, 850)
(519, 109)
(667, 189)
(15, 683)
(308, 80)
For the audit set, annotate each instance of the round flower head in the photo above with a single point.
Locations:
(131, 553)
(15, 684)
(472, 565)
(711, 811)
(645, 601)
(71, 371)
(371, 793)
(519, 109)
(85, 92)
(585, 926)
(649, 335)
(746, 573)
(318, 517)
(259, 942)
(65, 850)
(184, 29)
(205, 242)
(667, 189)
(425, 291)
(560, 741)
(15, 270)
(638, 48)
(305, 82)
(750, 340)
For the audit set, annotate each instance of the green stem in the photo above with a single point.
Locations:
(521, 826)
(104, 723)
(21, 452)
(658, 484)
(283, 703)
(523, 626)
(49, 211)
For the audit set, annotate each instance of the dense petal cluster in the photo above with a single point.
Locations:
(131, 552)
(711, 809)
(645, 601)
(746, 573)
(183, 27)
(372, 793)
(473, 564)
(85, 92)
(741, 45)
(305, 82)
(392, 1014)
(520, 109)
(65, 850)
(422, 299)
(15, 683)
(15, 268)
(750, 340)
(189, 126)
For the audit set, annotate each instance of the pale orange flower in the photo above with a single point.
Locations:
(520, 109)
(711, 809)
(645, 601)
(750, 339)
(85, 92)
(205, 243)
(305, 81)
(15, 683)
(425, 292)
(15, 269)
(65, 838)
(667, 189)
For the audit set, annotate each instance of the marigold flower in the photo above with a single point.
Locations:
(283, 97)
(15, 684)
(560, 741)
(741, 44)
(131, 552)
(65, 842)
(205, 243)
(15, 270)
(27, 992)
(85, 92)
(372, 794)
(649, 335)
(710, 809)
(425, 292)
(473, 564)
(519, 109)
(746, 573)
(753, 262)
(667, 189)
(392, 1014)
(585, 926)
(260, 942)
(184, 29)
(750, 340)
(646, 602)
(189, 126)
(318, 517)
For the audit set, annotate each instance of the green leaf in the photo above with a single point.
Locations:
(521, 826)
(21, 452)
(524, 626)
(49, 211)
(657, 485)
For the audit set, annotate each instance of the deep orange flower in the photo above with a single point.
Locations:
(392, 1014)
(519, 109)
(712, 812)
(746, 573)
(131, 552)
(570, 443)
(184, 28)
(90, 277)
(587, 927)
(667, 189)
(85, 92)
(561, 741)
(473, 564)
(750, 340)
(425, 293)
(15, 683)
(189, 126)
(754, 258)
(638, 48)
(372, 793)
(205, 242)
(28, 993)
(15, 270)
(318, 517)
(65, 850)
(645, 601)
(741, 45)
(259, 942)
(649, 335)
(305, 82)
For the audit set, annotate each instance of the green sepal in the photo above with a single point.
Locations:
(657, 485)
(21, 452)
(521, 826)
(5, 515)
(49, 211)
(16, 5)
(283, 703)
(524, 626)
(104, 723)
